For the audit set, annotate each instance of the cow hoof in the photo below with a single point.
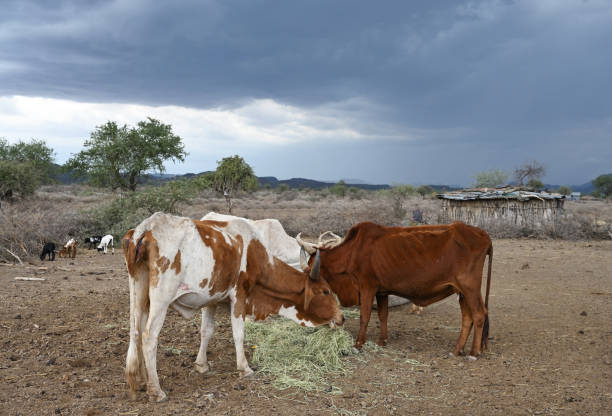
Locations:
(246, 373)
(471, 358)
(159, 397)
(381, 342)
(201, 368)
(358, 346)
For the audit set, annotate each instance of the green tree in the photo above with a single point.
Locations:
(119, 157)
(564, 190)
(24, 166)
(36, 153)
(233, 174)
(603, 185)
(490, 178)
(17, 178)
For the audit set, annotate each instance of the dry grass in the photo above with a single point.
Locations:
(57, 212)
(295, 356)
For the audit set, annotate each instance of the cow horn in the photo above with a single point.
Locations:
(330, 243)
(309, 247)
(316, 267)
(303, 259)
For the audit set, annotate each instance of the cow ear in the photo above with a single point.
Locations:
(307, 295)
(316, 267)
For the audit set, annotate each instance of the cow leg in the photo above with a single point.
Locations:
(466, 327)
(157, 315)
(382, 306)
(135, 370)
(238, 332)
(206, 331)
(478, 312)
(366, 297)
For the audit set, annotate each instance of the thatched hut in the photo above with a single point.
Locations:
(511, 205)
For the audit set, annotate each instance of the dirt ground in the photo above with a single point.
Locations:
(64, 342)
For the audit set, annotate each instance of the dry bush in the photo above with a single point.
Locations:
(313, 212)
(26, 225)
(56, 212)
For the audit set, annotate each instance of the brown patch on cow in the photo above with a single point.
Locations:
(176, 264)
(220, 224)
(204, 283)
(163, 263)
(226, 255)
(266, 287)
(147, 251)
(129, 253)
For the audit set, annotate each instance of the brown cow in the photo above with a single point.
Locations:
(424, 264)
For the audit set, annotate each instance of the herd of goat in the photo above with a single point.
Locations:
(102, 243)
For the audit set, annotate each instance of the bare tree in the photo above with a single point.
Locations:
(528, 171)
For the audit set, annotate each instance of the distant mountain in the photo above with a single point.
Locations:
(585, 188)
(349, 181)
(310, 183)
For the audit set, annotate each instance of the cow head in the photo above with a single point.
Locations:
(320, 304)
(344, 284)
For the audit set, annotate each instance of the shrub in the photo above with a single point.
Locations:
(339, 189)
(129, 210)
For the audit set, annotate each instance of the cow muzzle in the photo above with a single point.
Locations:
(337, 321)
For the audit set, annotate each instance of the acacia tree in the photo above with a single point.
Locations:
(233, 174)
(533, 170)
(119, 157)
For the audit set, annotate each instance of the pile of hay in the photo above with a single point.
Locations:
(295, 356)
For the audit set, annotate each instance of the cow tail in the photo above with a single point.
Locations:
(485, 329)
(139, 310)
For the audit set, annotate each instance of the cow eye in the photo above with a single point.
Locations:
(326, 292)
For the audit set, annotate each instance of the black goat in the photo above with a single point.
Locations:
(48, 249)
(93, 241)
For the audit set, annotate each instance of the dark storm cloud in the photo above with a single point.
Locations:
(512, 75)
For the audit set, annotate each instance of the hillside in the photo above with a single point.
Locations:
(297, 183)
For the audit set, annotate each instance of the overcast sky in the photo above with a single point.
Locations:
(385, 92)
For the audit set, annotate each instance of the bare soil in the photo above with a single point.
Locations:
(64, 340)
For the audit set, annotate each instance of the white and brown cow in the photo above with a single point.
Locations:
(189, 265)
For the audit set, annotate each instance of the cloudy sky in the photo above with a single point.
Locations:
(386, 92)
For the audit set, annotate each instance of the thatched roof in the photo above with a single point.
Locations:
(521, 194)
